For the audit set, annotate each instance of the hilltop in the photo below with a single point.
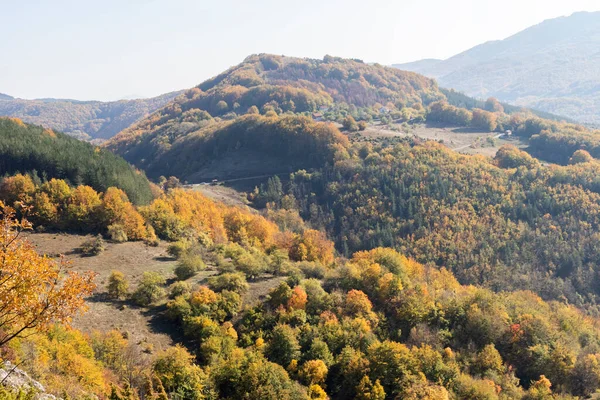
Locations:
(553, 66)
(216, 124)
(86, 120)
(263, 115)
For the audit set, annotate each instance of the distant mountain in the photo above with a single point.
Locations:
(553, 66)
(83, 119)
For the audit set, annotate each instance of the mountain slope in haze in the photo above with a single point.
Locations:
(82, 119)
(553, 66)
(208, 125)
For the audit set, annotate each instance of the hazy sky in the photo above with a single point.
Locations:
(112, 49)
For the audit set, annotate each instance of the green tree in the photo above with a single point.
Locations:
(284, 346)
(150, 289)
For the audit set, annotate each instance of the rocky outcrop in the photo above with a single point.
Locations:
(16, 379)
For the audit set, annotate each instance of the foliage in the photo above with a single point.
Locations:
(84, 119)
(234, 282)
(188, 266)
(32, 149)
(291, 140)
(523, 226)
(34, 290)
(117, 287)
(149, 289)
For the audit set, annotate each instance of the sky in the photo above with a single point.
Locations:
(114, 49)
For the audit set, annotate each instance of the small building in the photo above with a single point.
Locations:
(317, 116)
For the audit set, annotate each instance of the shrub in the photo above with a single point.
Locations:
(312, 269)
(93, 247)
(251, 265)
(350, 124)
(117, 285)
(234, 282)
(149, 290)
(117, 233)
(180, 289)
(179, 248)
(188, 266)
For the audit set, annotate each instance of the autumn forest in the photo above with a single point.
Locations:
(362, 254)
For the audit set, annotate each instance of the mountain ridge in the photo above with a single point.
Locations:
(551, 66)
(87, 120)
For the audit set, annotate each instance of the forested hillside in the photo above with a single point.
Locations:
(245, 146)
(83, 119)
(214, 130)
(513, 222)
(377, 325)
(47, 154)
(552, 66)
(507, 223)
(190, 127)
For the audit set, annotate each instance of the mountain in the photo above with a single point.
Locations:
(46, 154)
(206, 133)
(553, 66)
(82, 119)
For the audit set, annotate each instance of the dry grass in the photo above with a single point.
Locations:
(467, 141)
(133, 259)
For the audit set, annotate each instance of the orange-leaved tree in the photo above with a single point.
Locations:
(35, 291)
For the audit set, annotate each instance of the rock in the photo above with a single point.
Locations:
(15, 378)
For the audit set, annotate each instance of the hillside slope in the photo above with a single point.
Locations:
(209, 123)
(44, 153)
(82, 119)
(553, 66)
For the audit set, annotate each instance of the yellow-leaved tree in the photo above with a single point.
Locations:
(35, 291)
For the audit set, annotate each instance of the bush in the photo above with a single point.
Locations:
(118, 286)
(251, 264)
(188, 266)
(312, 269)
(179, 248)
(93, 247)
(234, 282)
(350, 124)
(117, 233)
(180, 289)
(149, 290)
